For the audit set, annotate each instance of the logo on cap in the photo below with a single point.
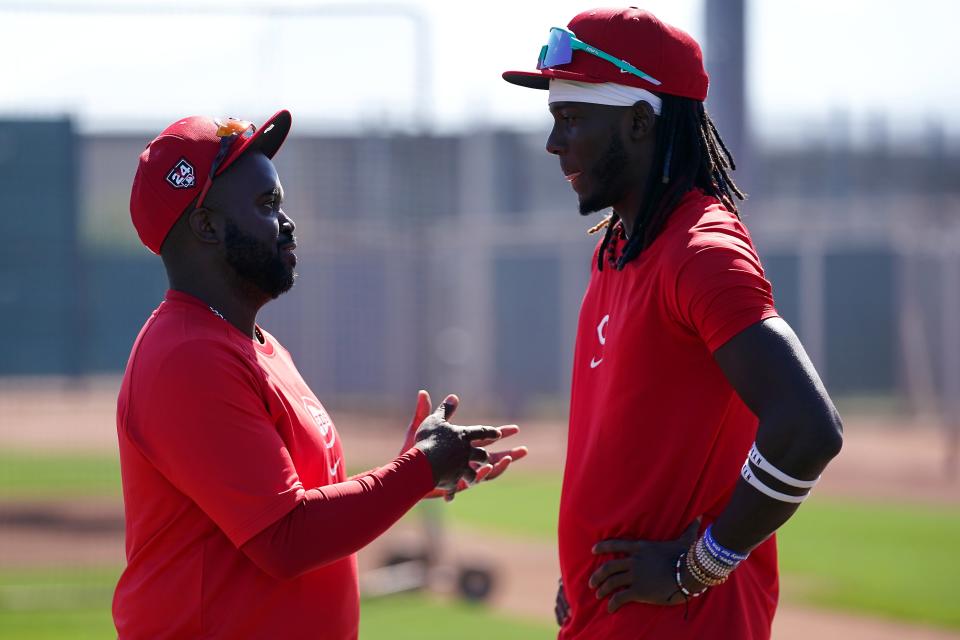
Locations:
(182, 176)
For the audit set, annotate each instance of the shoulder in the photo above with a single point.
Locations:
(182, 349)
(701, 224)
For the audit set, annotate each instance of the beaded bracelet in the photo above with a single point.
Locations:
(709, 564)
(686, 592)
(702, 575)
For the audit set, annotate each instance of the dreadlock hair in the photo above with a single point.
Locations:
(688, 153)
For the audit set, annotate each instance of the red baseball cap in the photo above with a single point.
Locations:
(175, 167)
(665, 52)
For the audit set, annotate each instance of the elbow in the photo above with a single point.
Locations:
(271, 564)
(282, 571)
(825, 438)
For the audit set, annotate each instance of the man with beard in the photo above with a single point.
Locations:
(681, 361)
(241, 521)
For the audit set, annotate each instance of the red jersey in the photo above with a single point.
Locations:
(657, 435)
(219, 437)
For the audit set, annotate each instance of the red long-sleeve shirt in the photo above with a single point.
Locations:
(240, 521)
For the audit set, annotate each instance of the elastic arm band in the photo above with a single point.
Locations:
(758, 484)
(761, 463)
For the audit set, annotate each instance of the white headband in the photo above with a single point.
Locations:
(609, 93)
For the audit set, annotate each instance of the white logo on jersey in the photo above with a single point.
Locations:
(327, 432)
(333, 468)
(595, 362)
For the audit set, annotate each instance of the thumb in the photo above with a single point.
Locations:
(420, 413)
(423, 408)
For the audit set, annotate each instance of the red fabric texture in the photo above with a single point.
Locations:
(219, 438)
(657, 435)
(369, 503)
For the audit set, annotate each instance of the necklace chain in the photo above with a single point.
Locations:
(256, 329)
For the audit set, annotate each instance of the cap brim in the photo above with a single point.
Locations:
(541, 79)
(268, 139)
(528, 79)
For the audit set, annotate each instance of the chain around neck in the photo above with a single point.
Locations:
(256, 329)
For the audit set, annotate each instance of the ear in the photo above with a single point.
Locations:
(204, 225)
(643, 120)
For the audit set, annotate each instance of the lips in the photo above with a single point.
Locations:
(286, 250)
(571, 177)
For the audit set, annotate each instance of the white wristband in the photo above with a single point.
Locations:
(761, 463)
(757, 484)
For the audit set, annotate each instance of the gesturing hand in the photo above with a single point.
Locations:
(496, 462)
(646, 572)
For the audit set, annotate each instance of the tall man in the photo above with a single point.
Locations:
(241, 522)
(682, 367)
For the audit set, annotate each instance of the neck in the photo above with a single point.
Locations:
(628, 210)
(629, 206)
(238, 310)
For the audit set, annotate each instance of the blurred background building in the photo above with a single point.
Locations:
(445, 251)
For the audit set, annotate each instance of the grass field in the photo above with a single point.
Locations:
(44, 605)
(892, 560)
(884, 559)
(31, 475)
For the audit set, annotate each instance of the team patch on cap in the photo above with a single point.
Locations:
(182, 175)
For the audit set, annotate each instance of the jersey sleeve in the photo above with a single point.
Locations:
(204, 425)
(720, 288)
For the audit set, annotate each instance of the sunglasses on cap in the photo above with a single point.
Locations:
(229, 131)
(561, 45)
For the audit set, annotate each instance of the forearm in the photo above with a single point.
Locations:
(336, 520)
(800, 449)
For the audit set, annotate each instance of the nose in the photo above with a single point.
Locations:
(287, 225)
(555, 142)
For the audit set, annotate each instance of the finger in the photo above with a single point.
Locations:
(618, 546)
(614, 583)
(505, 432)
(470, 475)
(423, 405)
(608, 569)
(516, 453)
(474, 433)
(478, 454)
(420, 413)
(449, 406)
(508, 430)
(499, 467)
(502, 459)
(621, 598)
(483, 472)
(448, 497)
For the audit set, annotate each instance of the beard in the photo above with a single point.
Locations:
(255, 264)
(608, 176)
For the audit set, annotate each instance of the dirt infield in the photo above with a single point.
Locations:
(880, 461)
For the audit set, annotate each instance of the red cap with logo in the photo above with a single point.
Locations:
(668, 54)
(176, 166)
